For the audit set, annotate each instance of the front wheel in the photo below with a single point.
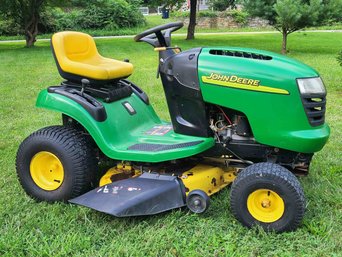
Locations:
(269, 195)
(55, 164)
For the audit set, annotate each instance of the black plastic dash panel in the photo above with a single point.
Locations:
(109, 93)
(138, 91)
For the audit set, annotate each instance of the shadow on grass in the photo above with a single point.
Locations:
(19, 46)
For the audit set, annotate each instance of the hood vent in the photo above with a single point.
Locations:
(241, 54)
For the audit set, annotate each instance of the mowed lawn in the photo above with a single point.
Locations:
(28, 228)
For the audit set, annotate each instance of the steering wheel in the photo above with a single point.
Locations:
(159, 36)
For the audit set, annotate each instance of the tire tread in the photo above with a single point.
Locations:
(279, 175)
(76, 146)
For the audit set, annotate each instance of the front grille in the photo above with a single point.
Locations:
(314, 105)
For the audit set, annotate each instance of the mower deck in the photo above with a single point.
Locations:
(153, 192)
(144, 195)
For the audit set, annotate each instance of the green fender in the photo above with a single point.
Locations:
(121, 130)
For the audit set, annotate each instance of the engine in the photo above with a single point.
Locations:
(234, 137)
(228, 127)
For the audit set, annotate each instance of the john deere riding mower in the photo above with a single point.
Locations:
(242, 116)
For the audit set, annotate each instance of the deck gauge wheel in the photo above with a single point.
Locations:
(197, 201)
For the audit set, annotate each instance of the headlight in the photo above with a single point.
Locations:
(311, 86)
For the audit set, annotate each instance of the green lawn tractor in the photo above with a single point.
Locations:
(239, 116)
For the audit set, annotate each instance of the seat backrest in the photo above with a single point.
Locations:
(69, 47)
(77, 57)
(75, 46)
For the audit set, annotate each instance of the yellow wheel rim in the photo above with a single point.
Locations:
(47, 171)
(265, 205)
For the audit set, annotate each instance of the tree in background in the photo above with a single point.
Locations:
(28, 16)
(331, 11)
(26, 13)
(192, 20)
(286, 16)
(221, 5)
(193, 11)
(192, 16)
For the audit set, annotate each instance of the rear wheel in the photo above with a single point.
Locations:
(269, 195)
(56, 164)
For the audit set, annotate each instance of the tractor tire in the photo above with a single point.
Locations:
(56, 163)
(268, 195)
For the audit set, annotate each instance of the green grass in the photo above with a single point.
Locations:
(28, 228)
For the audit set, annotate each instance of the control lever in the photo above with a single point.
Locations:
(85, 83)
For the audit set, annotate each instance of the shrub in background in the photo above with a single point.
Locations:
(339, 58)
(240, 17)
(179, 14)
(208, 14)
(55, 19)
(221, 5)
(110, 14)
(331, 12)
(8, 26)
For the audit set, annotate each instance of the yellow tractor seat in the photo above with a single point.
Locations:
(77, 57)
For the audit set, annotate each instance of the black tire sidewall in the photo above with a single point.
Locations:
(273, 177)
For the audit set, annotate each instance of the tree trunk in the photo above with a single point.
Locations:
(192, 21)
(284, 44)
(31, 31)
(31, 26)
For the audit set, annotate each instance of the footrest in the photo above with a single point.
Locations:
(161, 147)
